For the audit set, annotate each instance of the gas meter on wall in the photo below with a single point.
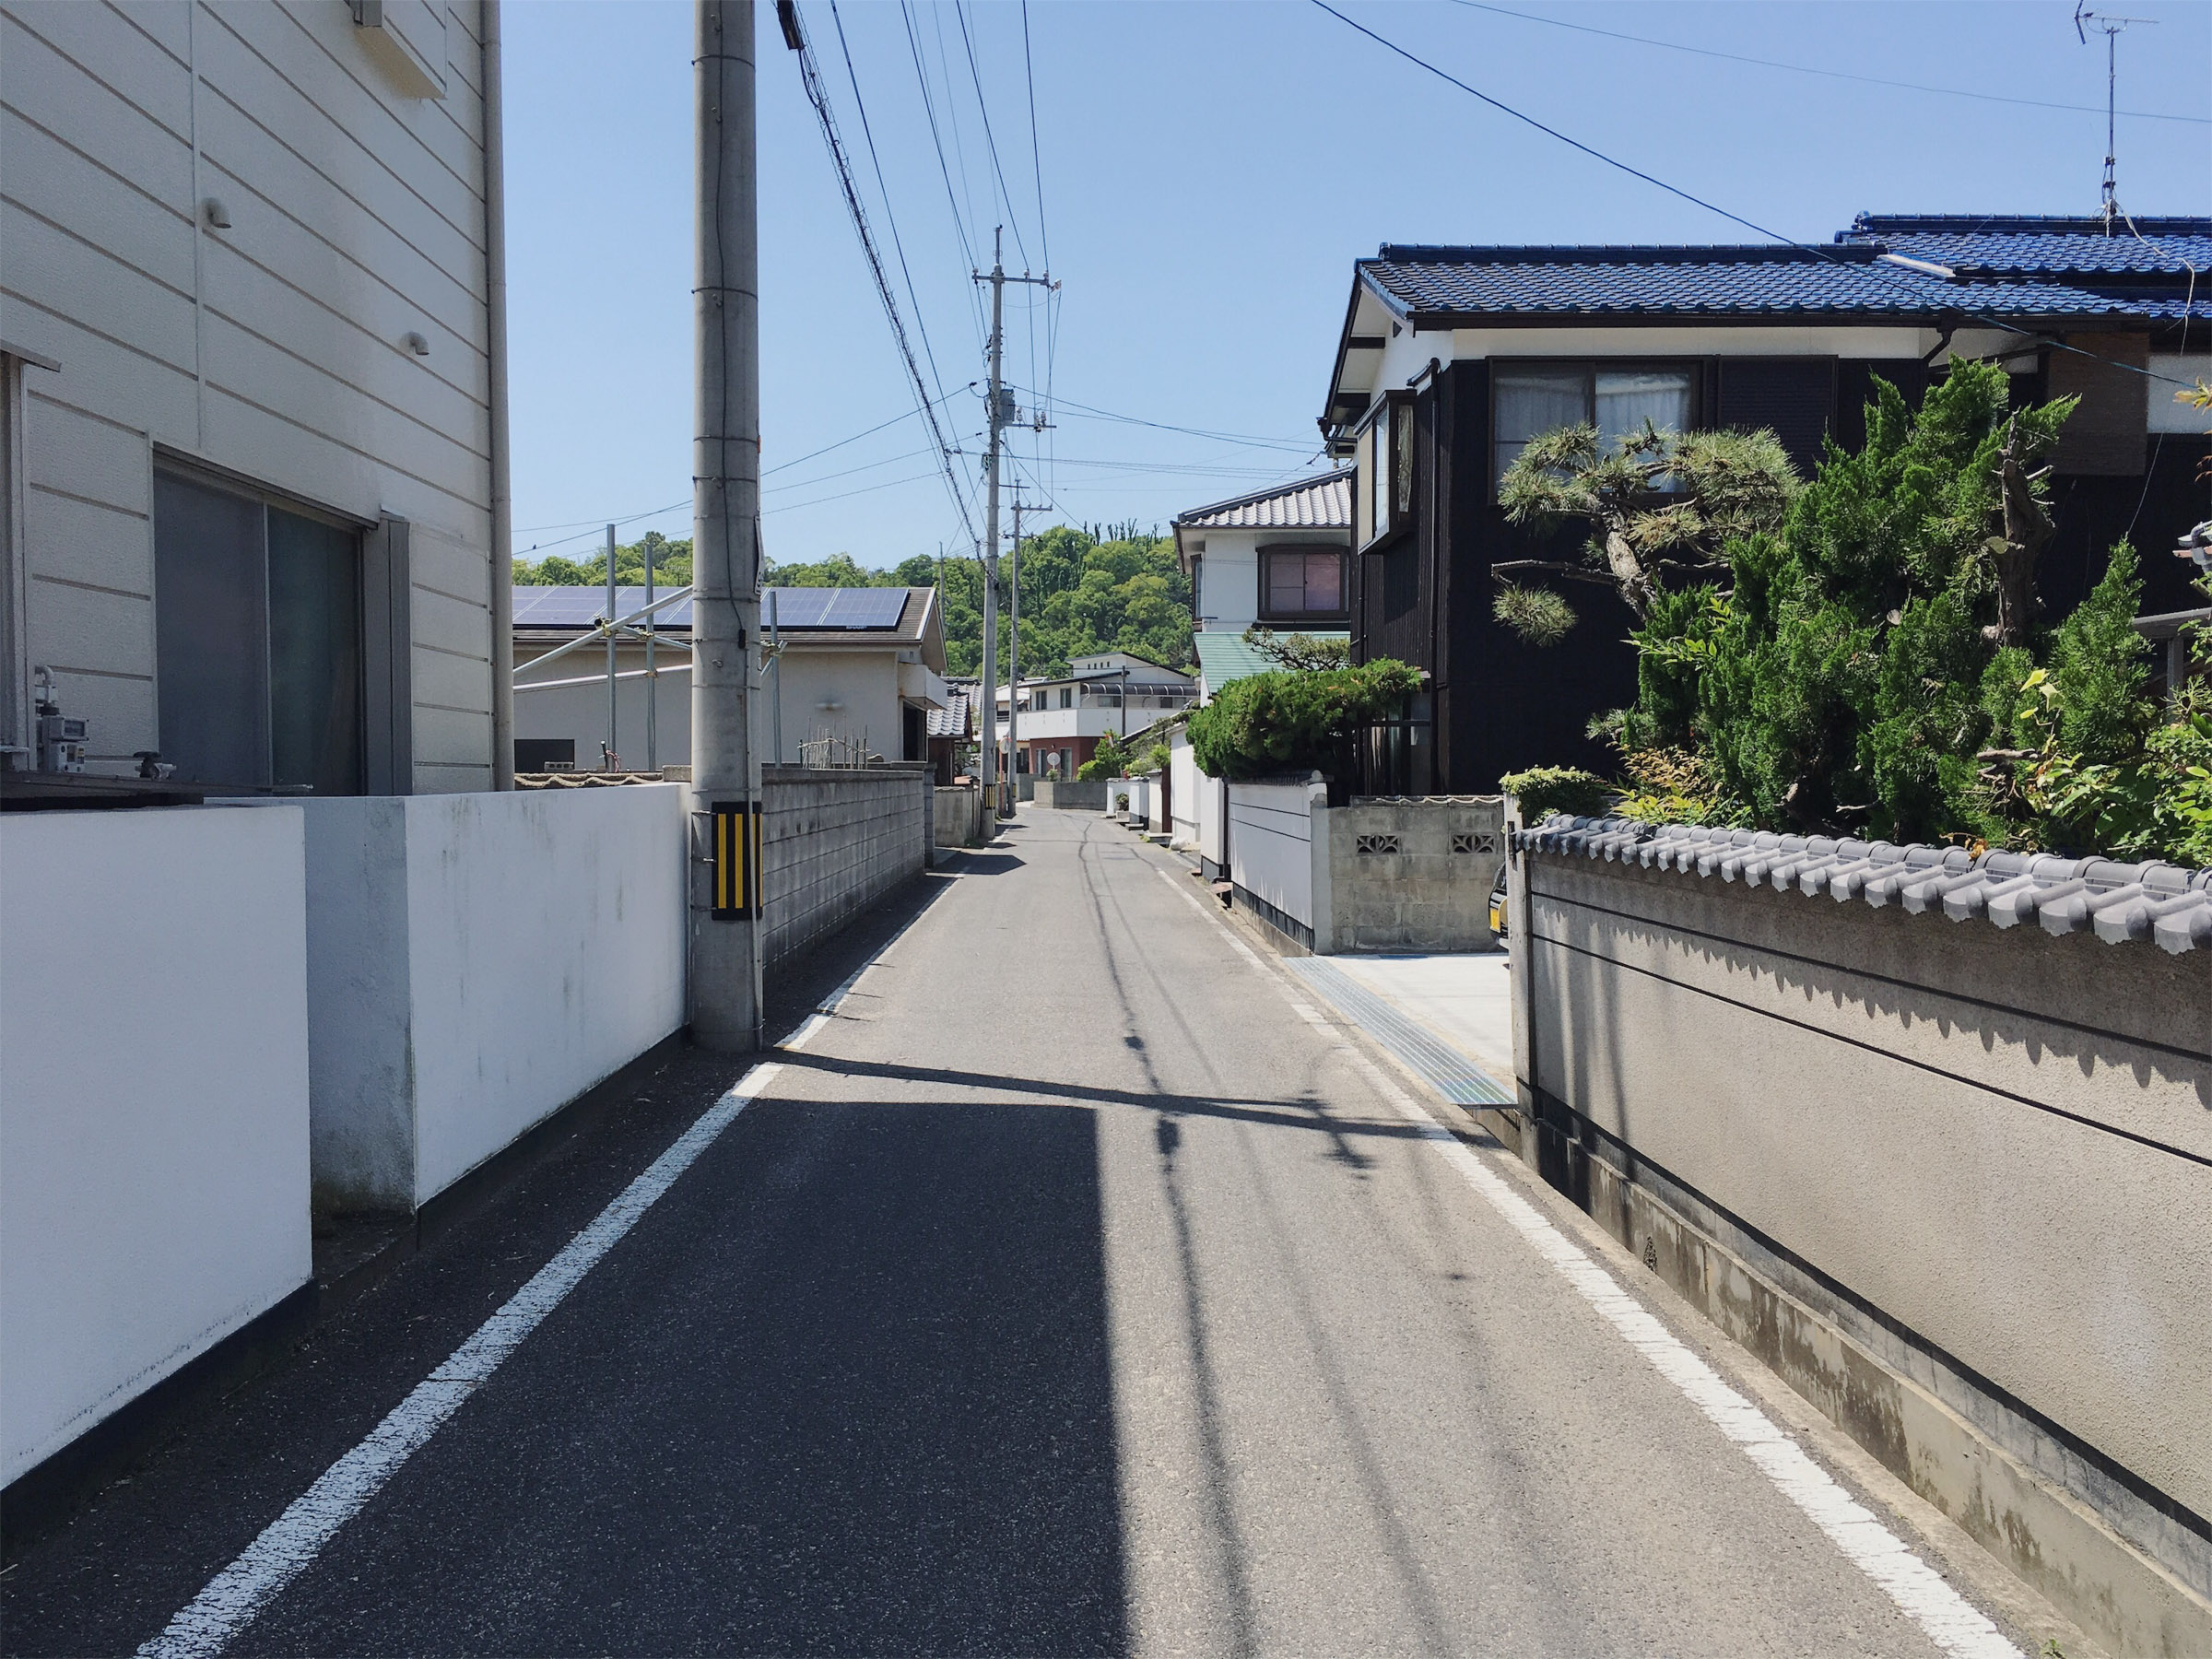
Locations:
(59, 741)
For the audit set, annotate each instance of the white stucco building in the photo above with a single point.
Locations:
(1063, 719)
(1278, 559)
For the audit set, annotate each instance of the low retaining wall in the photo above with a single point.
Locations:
(1068, 794)
(1951, 1178)
(476, 962)
(836, 841)
(154, 1104)
(1412, 872)
(1400, 872)
(958, 815)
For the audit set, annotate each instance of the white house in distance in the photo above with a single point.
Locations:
(1063, 719)
(1278, 558)
(864, 665)
(248, 319)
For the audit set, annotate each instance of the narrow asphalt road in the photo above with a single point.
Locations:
(1070, 1292)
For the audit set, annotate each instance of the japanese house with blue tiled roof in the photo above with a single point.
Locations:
(1451, 357)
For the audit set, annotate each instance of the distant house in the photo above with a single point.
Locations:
(1063, 718)
(1277, 558)
(860, 666)
(1452, 358)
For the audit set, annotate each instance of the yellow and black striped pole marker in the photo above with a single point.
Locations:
(737, 860)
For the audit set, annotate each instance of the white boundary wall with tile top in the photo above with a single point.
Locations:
(153, 1107)
(1976, 1162)
(476, 961)
(1188, 788)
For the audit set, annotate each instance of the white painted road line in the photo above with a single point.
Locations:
(1952, 1622)
(289, 1543)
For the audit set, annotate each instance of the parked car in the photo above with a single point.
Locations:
(1498, 904)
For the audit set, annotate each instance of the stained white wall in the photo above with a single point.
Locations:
(273, 348)
(1229, 586)
(476, 962)
(153, 1106)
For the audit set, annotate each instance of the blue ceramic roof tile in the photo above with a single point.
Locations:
(2052, 247)
(1727, 281)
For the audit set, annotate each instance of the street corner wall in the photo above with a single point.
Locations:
(1271, 854)
(546, 944)
(834, 841)
(1985, 1154)
(153, 1108)
(1413, 871)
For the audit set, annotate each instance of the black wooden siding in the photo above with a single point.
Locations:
(1501, 705)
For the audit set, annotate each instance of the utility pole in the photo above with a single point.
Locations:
(653, 685)
(723, 984)
(1014, 671)
(613, 611)
(1002, 417)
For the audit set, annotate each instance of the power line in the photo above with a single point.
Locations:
(884, 190)
(960, 12)
(936, 139)
(1735, 218)
(788, 14)
(1029, 71)
(1069, 403)
(1871, 81)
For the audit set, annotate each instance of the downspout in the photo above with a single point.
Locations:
(502, 501)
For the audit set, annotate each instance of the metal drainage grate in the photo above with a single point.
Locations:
(1443, 1067)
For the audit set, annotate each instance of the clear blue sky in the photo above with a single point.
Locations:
(1209, 174)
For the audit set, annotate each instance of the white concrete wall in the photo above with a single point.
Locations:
(841, 693)
(477, 962)
(1271, 829)
(273, 348)
(153, 1106)
(1188, 788)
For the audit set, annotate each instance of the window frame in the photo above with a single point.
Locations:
(384, 704)
(1693, 366)
(1302, 550)
(1388, 468)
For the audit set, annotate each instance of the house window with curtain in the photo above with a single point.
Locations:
(1529, 400)
(1302, 584)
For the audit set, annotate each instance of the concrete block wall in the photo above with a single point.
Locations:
(835, 841)
(959, 815)
(1070, 795)
(153, 1105)
(1952, 1180)
(1411, 873)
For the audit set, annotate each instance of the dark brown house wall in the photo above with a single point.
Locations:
(1501, 705)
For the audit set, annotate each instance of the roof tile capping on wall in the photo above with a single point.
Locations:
(2118, 902)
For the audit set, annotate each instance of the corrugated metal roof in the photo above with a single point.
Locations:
(1224, 656)
(1323, 504)
(2118, 902)
(1773, 280)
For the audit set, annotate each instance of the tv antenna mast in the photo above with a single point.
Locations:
(2110, 27)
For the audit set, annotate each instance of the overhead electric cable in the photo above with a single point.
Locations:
(1734, 219)
(884, 191)
(1069, 403)
(1029, 71)
(816, 94)
(1871, 81)
(960, 12)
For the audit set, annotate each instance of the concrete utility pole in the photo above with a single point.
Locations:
(724, 958)
(1002, 417)
(1014, 671)
(614, 610)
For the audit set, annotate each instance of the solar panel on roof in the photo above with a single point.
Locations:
(837, 608)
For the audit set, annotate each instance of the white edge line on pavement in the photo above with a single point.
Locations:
(1953, 1624)
(289, 1544)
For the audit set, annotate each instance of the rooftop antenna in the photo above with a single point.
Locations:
(2110, 27)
